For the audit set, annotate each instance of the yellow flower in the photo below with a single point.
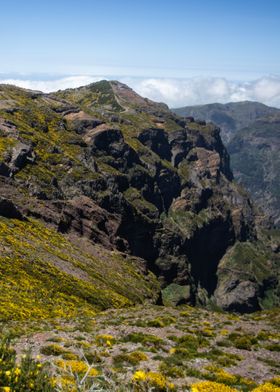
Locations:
(8, 373)
(154, 379)
(267, 387)
(17, 371)
(211, 386)
(139, 376)
(6, 389)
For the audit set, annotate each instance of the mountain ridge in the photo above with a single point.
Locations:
(231, 116)
(138, 181)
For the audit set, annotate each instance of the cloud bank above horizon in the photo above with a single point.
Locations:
(174, 92)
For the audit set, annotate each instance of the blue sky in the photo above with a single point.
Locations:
(180, 39)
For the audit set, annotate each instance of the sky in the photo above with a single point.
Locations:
(181, 52)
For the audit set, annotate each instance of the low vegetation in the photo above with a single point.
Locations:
(140, 349)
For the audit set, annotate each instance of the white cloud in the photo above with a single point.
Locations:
(200, 90)
(175, 92)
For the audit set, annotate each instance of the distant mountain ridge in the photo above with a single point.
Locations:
(251, 131)
(230, 117)
(255, 159)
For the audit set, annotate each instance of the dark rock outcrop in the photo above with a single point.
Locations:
(251, 132)
(9, 210)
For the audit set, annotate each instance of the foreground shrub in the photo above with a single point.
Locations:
(151, 381)
(27, 375)
(267, 387)
(210, 386)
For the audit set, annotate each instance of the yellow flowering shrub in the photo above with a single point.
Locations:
(105, 340)
(65, 383)
(155, 380)
(221, 376)
(211, 386)
(275, 380)
(138, 356)
(77, 367)
(26, 375)
(33, 285)
(267, 387)
(130, 358)
(208, 332)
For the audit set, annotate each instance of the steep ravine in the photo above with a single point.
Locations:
(141, 182)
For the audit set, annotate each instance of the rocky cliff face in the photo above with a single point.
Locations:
(255, 158)
(125, 174)
(251, 133)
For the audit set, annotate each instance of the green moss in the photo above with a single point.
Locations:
(53, 349)
(132, 358)
(184, 171)
(174, 294)
(187, 221)
(242, 341)
(161, 322)
(247, 258)
(145, 339)
(134, 197)
(6, 144)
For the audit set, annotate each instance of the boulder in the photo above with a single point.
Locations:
(175, 294)
(9, 210)
(238, 296)
(22, 154)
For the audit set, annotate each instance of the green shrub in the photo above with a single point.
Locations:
(25, 375)
(53, 349)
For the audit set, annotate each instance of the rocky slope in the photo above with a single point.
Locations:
(105, 195)
(251, 133)
(230, 117)
(144, 349)
(256, 163)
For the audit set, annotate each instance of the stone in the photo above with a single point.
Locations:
(174, 295)
(238, 296)
(22, 154)
(9, 210)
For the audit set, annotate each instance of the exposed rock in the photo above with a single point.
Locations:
(244, 277)
(82, 215)
(238, 296)
(174, 295)
(157, 140)
(21, 155)
(81, 122)
(5, 170)
(110, 142)
(9, 210)
(251, 132)
(256, 163)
